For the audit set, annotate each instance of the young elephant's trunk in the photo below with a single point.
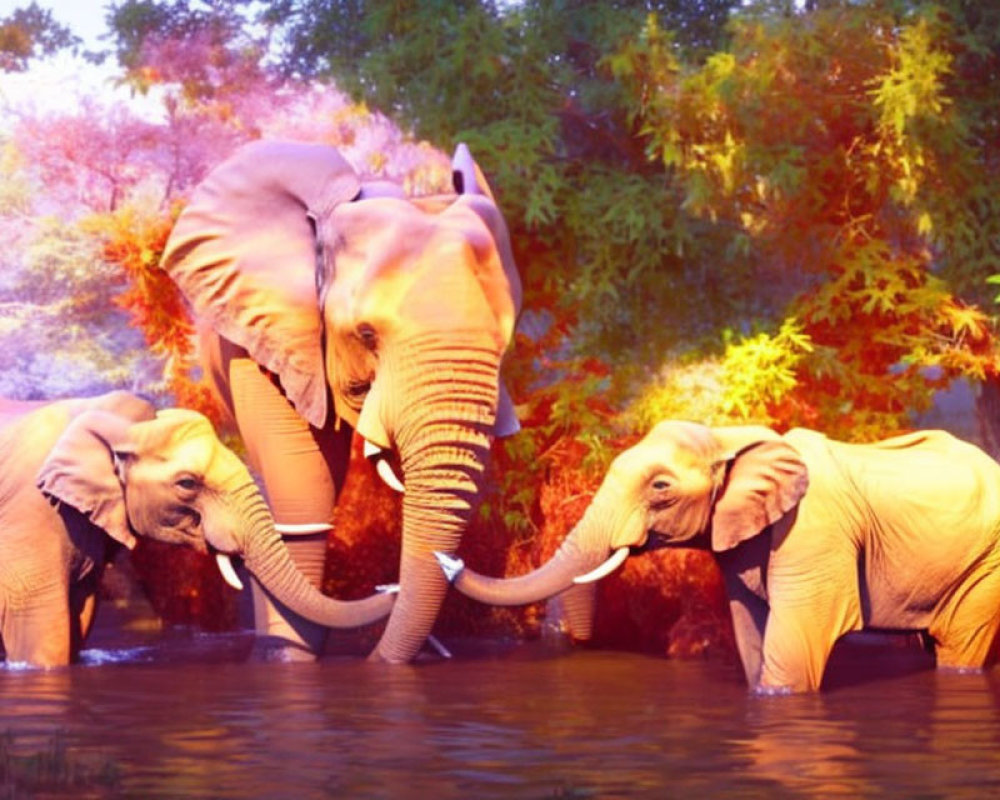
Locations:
(266, 556)
(583, 549)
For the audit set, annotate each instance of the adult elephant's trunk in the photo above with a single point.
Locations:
(443, 427)
(267, 557)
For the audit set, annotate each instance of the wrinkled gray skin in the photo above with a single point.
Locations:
(81, 477)
(815, 538)
(370, 310)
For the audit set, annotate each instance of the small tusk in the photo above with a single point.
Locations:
(452, 566)
(229, 575)
(306, 527)
(443, 651)
(371, 449)
(606, 568)
(388, 476)
(387, 588)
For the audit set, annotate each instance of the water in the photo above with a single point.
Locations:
(187, 716)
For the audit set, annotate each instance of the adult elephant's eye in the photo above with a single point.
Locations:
(660, 484)
(188, 484)
(358, 388)
(369, 339)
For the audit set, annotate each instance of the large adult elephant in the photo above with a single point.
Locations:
(326, 304)
(80, 477)
(815, 538)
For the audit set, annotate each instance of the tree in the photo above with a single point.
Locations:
(831, 149)
(29, 33)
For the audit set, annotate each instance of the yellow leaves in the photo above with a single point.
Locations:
(759, 371)
(913, 84)
(966, 322)
(906, 96)
(924, 224)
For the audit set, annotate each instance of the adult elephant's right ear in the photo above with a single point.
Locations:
(765, 478)
(246, 256)
(80, 471)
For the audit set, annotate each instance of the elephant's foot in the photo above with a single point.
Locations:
(433, 650)
(772, 691)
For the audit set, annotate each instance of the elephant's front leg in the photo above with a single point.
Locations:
(302, 469)
(743, 569)
(810, 609)
(36, 626)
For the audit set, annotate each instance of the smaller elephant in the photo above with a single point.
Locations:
(815, 538)
(81, 477)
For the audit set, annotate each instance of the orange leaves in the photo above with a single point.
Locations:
(134, 240)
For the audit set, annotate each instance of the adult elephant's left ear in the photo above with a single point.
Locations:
(80, 471)
(764, 481)
(248, 254)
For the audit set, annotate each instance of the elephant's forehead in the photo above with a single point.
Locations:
(204, 454)
(394, 231)
(666, 447)
(388, 246)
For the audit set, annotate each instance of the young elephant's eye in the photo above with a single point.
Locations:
(660, 484)
(188, 484)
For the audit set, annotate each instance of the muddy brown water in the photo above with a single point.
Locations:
(187, 715)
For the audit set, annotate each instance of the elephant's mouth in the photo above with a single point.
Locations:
(654, 541)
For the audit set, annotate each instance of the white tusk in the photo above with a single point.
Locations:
(452, 566)
(387, 588)
(228, 572)
(606, 568)
(386, 474)
(371, 449)
(443, 651)
(305, 527)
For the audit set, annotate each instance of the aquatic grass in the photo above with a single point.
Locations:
(52, 769)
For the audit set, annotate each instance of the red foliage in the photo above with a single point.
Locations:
(154, 303)
(184, 587)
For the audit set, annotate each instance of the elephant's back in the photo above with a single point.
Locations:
(28, 431)
(11, 411)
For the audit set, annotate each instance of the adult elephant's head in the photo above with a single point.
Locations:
(684, 484)
(399, 309)
(168, 477)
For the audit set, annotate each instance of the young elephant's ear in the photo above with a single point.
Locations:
(80, 471)
(764, 481)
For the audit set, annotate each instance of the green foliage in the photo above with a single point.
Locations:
(31, 32)
(55, 770)
(833, 150)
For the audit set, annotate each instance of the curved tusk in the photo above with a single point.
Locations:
(305, 527)
(452, 566)
(229, 575)
(606, 568)
(371, 449)
(386, 474)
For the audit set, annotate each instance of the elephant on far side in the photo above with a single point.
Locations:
(81, 477)
(326, 305)
(815, 538)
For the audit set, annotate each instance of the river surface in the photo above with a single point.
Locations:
(186, 715)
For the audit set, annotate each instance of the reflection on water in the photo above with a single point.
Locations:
(190, 717)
